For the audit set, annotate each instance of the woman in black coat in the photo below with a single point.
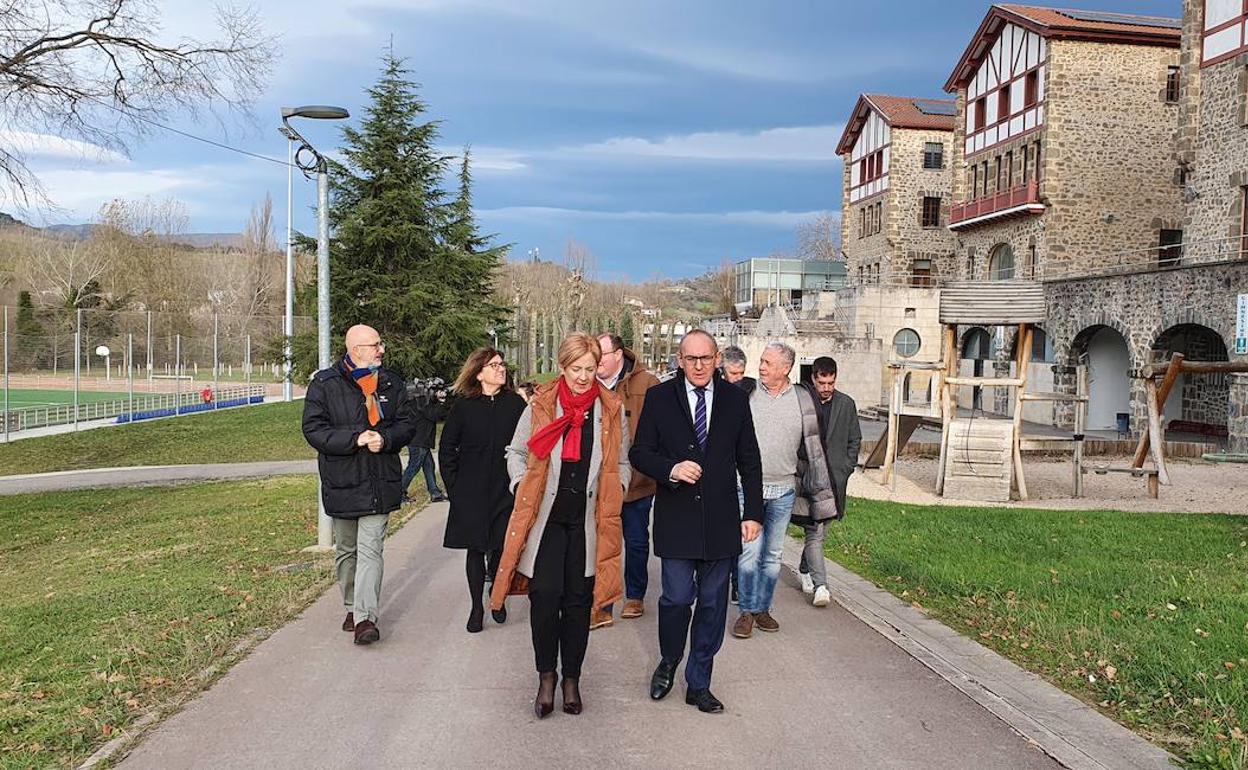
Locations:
(474, 470)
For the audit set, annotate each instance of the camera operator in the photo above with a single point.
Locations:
(431, 397)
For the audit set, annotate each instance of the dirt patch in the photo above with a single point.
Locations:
(1195, 487)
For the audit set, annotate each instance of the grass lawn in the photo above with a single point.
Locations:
(253, 433)
(1143, 615)
(20, 398)
(112, 602)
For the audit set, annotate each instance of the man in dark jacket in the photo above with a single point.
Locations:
(430, 409)
(358, 418)
(842, 439)
(695, 436)
(734, 369)
(619, 371)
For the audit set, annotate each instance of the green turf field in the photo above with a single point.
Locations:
(21, 398)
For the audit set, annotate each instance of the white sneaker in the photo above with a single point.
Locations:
(808, 583)
(823, 597)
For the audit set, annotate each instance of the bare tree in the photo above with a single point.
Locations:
(725, 288)
(68, 273)
(98, 71)
(820, 238)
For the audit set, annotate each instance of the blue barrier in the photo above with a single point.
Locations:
(189, 409)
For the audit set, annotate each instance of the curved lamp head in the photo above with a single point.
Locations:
(316, 111)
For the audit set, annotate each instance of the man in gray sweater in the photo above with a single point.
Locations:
(778, 424)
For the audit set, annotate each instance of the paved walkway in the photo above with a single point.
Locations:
(828, 690)
(149, 475)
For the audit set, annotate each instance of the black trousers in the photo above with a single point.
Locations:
(560, 598)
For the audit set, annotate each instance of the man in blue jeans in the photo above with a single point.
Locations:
(778, 424)
(619, 371)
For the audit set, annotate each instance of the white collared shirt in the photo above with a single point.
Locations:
(690, 393)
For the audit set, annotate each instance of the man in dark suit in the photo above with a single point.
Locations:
(695, 436)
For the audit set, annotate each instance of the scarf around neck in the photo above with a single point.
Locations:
(366, 378)
(574, 409)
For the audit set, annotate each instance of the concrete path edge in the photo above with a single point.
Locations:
(1064, 727)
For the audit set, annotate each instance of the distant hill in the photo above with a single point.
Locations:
(81, 232)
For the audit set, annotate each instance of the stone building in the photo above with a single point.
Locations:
(896, 192)
(1104, 154)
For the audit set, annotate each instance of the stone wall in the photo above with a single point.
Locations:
(909, 184)
(1237, 409)
(1141, 308)
(1109, 168)
(1218, 170)
(862, 252)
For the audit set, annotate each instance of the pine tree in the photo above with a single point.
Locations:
(30, 344)
(403, 258)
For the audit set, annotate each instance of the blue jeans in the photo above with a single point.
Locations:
(635, 519)
(421, 458)
(758, 568)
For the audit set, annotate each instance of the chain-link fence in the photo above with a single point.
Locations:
(78, 365)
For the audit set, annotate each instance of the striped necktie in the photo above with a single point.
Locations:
(699, 417)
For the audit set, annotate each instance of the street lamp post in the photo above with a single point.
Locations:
(288, 322)
(317, 164)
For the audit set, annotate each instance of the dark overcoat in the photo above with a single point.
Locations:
(473, 461)
(354, 481)
(703, 520)
(841, 444)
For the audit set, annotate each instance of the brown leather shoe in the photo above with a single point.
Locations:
(600, 619)
(766, 622)
(348, 624)
(633, 608)
(744, 627)
(366, 632)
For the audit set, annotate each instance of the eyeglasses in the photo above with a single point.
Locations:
(378, 344)
(698, 361)
(499, 365)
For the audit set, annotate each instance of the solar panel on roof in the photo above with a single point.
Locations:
(928, 107)
(1124, 18)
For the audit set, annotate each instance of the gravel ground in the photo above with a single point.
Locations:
(1195, 487)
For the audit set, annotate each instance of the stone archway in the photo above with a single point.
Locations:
(1198, 402)
(1104, 351)
(1001, 263)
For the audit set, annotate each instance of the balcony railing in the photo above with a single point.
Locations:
(1024, 195)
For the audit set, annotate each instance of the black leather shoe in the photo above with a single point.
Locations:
(500, 616)
(706, 703)
(661, 681)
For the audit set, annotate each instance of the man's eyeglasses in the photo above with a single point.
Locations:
(379, 345)
(698, 361)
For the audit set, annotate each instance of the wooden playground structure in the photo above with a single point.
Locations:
(981, 457)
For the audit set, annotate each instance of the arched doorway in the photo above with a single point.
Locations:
(1198, 402)
(977, 348)
(1105, 353)
(1001, 263)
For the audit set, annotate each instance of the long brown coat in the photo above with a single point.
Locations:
(531, 494)
(632, 389)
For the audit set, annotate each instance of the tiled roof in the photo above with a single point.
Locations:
(900, 112)
(1059, 23)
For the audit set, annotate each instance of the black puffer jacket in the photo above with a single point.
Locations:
(354, 481)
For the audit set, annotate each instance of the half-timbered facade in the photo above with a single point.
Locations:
(896, 190)
(1063, 137)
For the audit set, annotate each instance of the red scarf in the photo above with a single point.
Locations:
(543, 442)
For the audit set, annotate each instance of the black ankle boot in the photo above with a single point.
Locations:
(544, 703)
(476, 619)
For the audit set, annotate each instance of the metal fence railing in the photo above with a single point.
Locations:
(133, 407)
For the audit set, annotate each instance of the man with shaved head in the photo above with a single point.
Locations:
(357, 417)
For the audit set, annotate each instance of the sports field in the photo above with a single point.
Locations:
(22, 398)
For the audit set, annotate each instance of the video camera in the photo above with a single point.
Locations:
(428, 390)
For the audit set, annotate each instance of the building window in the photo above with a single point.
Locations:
(1041, 346)
(974, 182)
(1001, 263)
(1038, 161)
(1031, 261)
(1171, 248)
(879, 217)
(1243, 221)
(862, 170)
(862, 222)
(1003, 103)
(931, 211)
(906, 343)
(981, 112)
(1026, 157)
(933, 155)
(997, 188)
(1031, 89)
(1009, 170)
(970, 263)
(920, 275)
(1172, 85)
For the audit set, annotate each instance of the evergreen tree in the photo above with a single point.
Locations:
(403, 258)
(30, 344)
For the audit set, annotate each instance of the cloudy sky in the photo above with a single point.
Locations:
(665, 136)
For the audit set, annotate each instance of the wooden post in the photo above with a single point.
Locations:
(1154, 429)
(1167, 382)
(1081, 417)
(946, 415)
(890, 439)
(1023, 357)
